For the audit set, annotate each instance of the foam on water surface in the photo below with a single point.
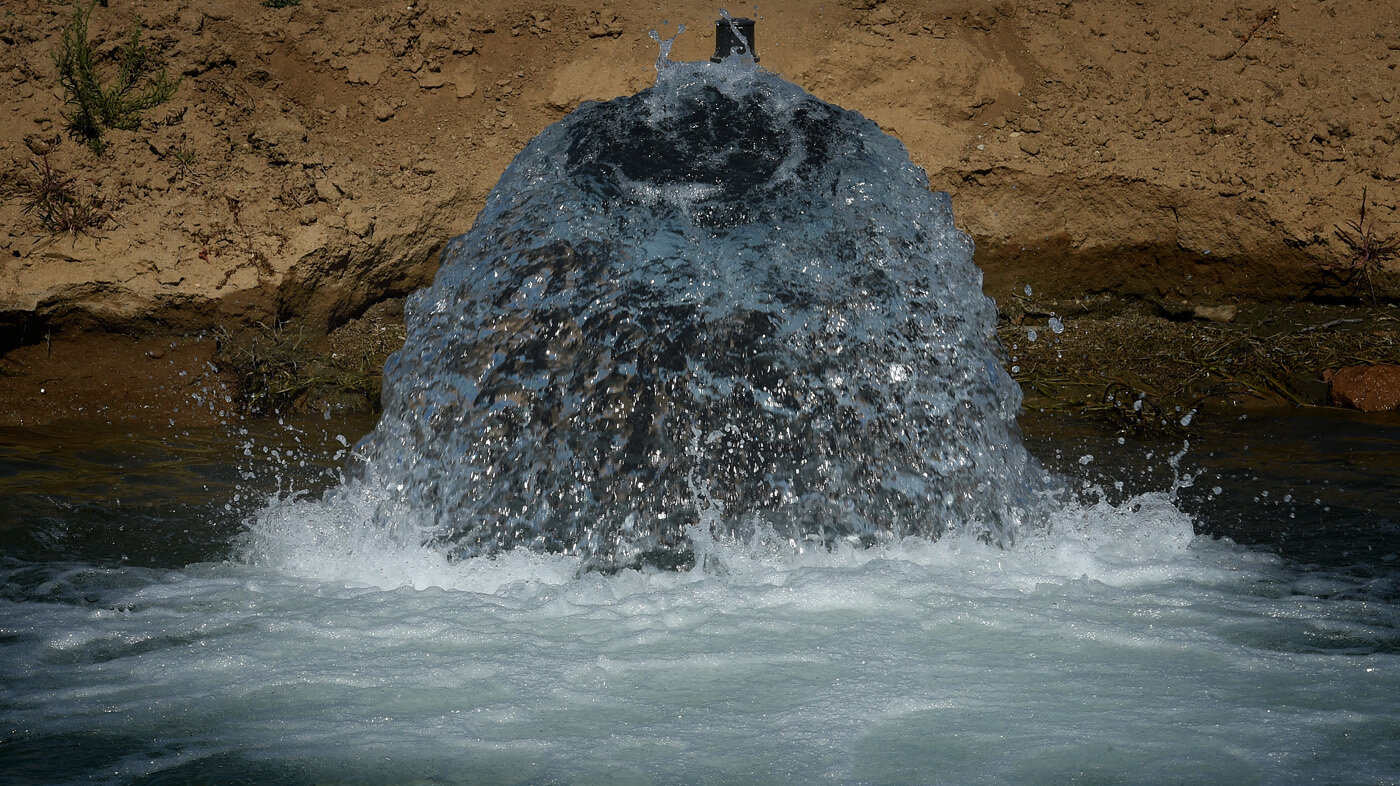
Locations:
(1113, 646)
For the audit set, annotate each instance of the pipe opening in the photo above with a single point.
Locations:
(734, 36)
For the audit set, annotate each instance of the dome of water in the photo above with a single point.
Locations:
(719, 302)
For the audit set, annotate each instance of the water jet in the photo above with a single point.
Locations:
(717, 303)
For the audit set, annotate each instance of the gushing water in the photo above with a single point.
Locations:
(720, 301)
(720, 322)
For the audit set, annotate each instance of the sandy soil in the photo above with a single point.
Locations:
(1184, 153)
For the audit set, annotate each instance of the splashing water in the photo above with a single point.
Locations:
(720, 300)
(802, 364)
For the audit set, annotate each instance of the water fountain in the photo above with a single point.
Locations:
(718, 301)
(718, 316)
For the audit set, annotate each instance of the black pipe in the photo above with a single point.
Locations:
(728, 41)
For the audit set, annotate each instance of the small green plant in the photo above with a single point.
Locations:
(51, 195)
(281, 3)
(1367, 250)
(95, 106)
(184, 159)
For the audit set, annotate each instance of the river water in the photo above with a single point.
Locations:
(1129, 644)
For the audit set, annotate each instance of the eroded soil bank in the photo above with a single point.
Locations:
(1172, 163)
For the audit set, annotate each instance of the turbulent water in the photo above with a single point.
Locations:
(720, 299)
(593, 379)
(1117, 648)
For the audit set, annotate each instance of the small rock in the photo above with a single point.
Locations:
(460, 75)
(1030, 146)
(274, 128)
(359, 222)
(1215, 313)
(159, 145)
(242, 279)
(365, 69)
(430, 79)
(326, 190)
(220, 10)
(383, 110)
(38, 146)
(1367, 388)
(190, 20)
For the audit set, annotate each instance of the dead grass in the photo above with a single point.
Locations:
(52, 196)
(284, 369)
(1146, 372)
(1368, 249)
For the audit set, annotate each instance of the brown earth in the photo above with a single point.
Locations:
(1185, 154)
(104, 377)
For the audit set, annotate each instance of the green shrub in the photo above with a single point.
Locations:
(95, 106)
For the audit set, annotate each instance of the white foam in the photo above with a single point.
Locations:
(1144, 540)
(1112, 645)
(337, 542)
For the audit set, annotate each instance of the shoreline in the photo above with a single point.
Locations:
(1108, 355)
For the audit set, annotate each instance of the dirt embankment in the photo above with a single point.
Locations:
(314, 158)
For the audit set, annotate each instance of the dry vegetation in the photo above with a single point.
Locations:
(1144, 372)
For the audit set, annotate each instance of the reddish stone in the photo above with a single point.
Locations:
(1367, 388)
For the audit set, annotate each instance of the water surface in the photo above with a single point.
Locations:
(1121, 647)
